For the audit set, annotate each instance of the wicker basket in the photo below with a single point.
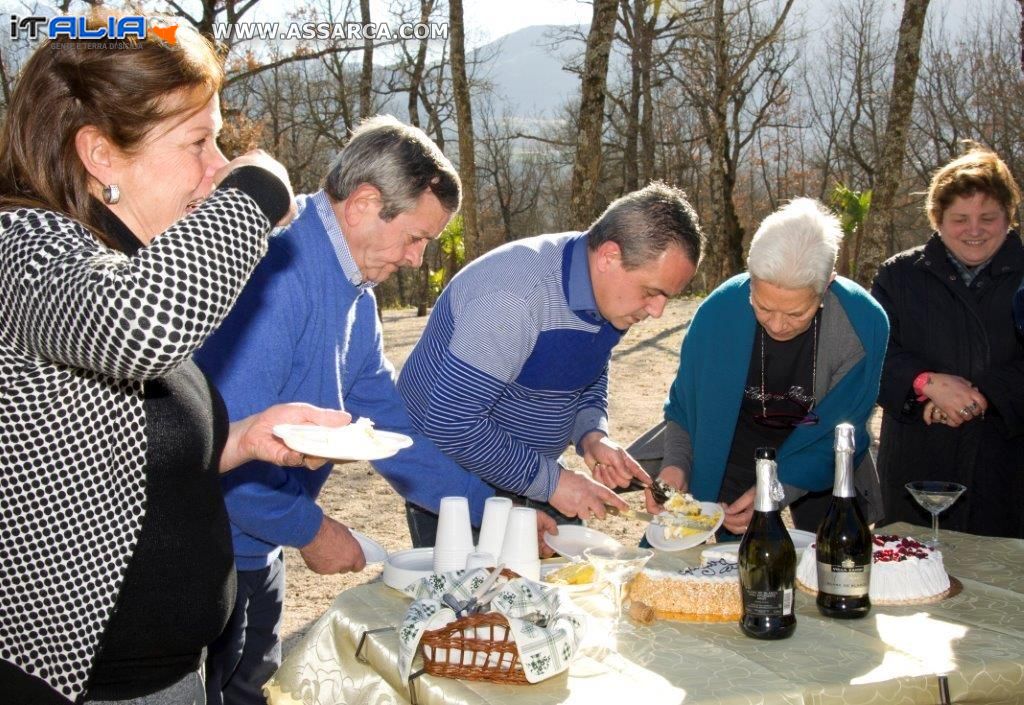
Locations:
(479, 647)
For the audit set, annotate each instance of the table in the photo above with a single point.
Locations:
(895, 655)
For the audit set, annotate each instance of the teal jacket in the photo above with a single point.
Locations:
(707, 392)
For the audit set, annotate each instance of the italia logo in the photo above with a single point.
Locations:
(33, 27)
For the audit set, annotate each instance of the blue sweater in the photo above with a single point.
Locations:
(304, 330)
(513, 364)
(707, 392)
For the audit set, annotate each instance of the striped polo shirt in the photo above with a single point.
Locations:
(513, 363)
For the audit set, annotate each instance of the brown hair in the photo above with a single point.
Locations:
(980, 170)
(125, 89)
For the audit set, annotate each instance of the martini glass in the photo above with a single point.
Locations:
(617, 565)
(936, 497)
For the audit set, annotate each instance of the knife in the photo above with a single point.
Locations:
(665, 519)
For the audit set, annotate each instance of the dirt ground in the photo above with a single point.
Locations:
(643, 365)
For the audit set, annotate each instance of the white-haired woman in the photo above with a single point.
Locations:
(776, 357)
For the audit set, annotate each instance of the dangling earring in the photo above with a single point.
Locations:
(111, 194)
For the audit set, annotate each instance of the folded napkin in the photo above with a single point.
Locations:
(543, 651)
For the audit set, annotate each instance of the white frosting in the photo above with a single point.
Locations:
(908, 578)
(712, 571)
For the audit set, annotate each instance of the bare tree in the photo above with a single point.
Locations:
(879, 236)
(1021, 3)
(732, 70)
(586, 170)
(464, 118)
(366, 77)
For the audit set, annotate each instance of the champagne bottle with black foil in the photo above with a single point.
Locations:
(767, 560)
(844, 542)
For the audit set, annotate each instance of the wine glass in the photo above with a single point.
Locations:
(617, 565)
(936, 497)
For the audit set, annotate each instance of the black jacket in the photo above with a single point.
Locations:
(938, 324)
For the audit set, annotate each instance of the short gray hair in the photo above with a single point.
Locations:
(645, 223)
(400, 161)
(796, 246)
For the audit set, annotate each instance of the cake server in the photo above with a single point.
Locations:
(660, 490)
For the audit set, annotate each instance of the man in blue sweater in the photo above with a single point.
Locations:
(306, 329)
(513, 364)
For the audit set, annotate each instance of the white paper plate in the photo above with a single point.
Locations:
(729, 551)
(572, 539)
(352, 442)
(372, 551)
(656, 533)
(402, 568)
(550, 565)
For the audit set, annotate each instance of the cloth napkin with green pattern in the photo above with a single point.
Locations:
(546, 626)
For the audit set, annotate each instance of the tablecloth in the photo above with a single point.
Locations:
(895, 655)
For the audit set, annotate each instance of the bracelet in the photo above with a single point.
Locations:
(920, 382)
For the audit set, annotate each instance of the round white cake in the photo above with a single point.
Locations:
(903, 571)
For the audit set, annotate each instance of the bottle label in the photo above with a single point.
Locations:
(768, 603)
(845, 580)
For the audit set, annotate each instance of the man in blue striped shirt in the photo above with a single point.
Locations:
(513, 364)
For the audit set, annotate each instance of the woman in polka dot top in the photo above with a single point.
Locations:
(125, 238)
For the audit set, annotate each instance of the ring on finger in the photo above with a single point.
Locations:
(965, 411)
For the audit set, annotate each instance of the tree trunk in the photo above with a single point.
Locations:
(586, 168)
(646, 43)
(878, 239)
(630, 155)
(5, 82)
(1021, 2)
(416, 79)
(729, 253)
(366, 77)
(464, 120)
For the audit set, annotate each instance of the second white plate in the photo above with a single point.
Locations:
(572, 539)
(656, 533)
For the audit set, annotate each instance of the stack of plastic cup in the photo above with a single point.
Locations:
(454, 540)
(492, 527)
(519, 550)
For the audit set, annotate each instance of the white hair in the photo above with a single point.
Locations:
(796, 246)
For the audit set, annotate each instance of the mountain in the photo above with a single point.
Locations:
(525, 70)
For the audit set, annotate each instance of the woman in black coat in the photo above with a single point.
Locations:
(953, 384)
